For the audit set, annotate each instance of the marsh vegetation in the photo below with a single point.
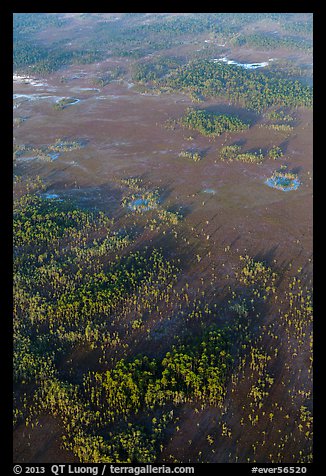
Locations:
(162, 301)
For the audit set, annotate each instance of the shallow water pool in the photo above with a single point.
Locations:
(141, 204)
(243, 65)
(282, 183)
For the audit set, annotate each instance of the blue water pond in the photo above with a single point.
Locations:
(140, 204)
(283, 183)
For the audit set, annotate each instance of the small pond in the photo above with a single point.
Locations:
(52, 196)
(141, 204)
(283, 183)
(243, 65)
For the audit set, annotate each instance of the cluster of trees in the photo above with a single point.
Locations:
(139, 203)
(303, 26)
(270, 41)
(63, 103)
(105, 78)
(135, 37)
(26, 23)
(252, 89)
(28, 54)
(214, 23)
(279, 115)
(168, 216)
(64, 145)
(275, 153)
(250, 157)
(195, 372)
(91, 438)
(211, 124)
(46, 152)
(284, 179)
(138, 199)
(257, 273)
(190, 154)
(229, 153)
(81, 293)
(280, 127)
(97, 415)
(124, 38)
(33, 57)
(280, 121)
(151, 71)
(41, 153)
(83, 285)
(185, 25)
(76, 282)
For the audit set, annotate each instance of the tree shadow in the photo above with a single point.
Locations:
(259, 150)
(204, 150)
(284, 145)
(266, 257)
(106, 198)
(242, 113)
(240, 142)
(165, 193)
(235, 241)
(183, 210)
(296, 170)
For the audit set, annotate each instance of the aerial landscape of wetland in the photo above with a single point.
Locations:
(162, 226)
